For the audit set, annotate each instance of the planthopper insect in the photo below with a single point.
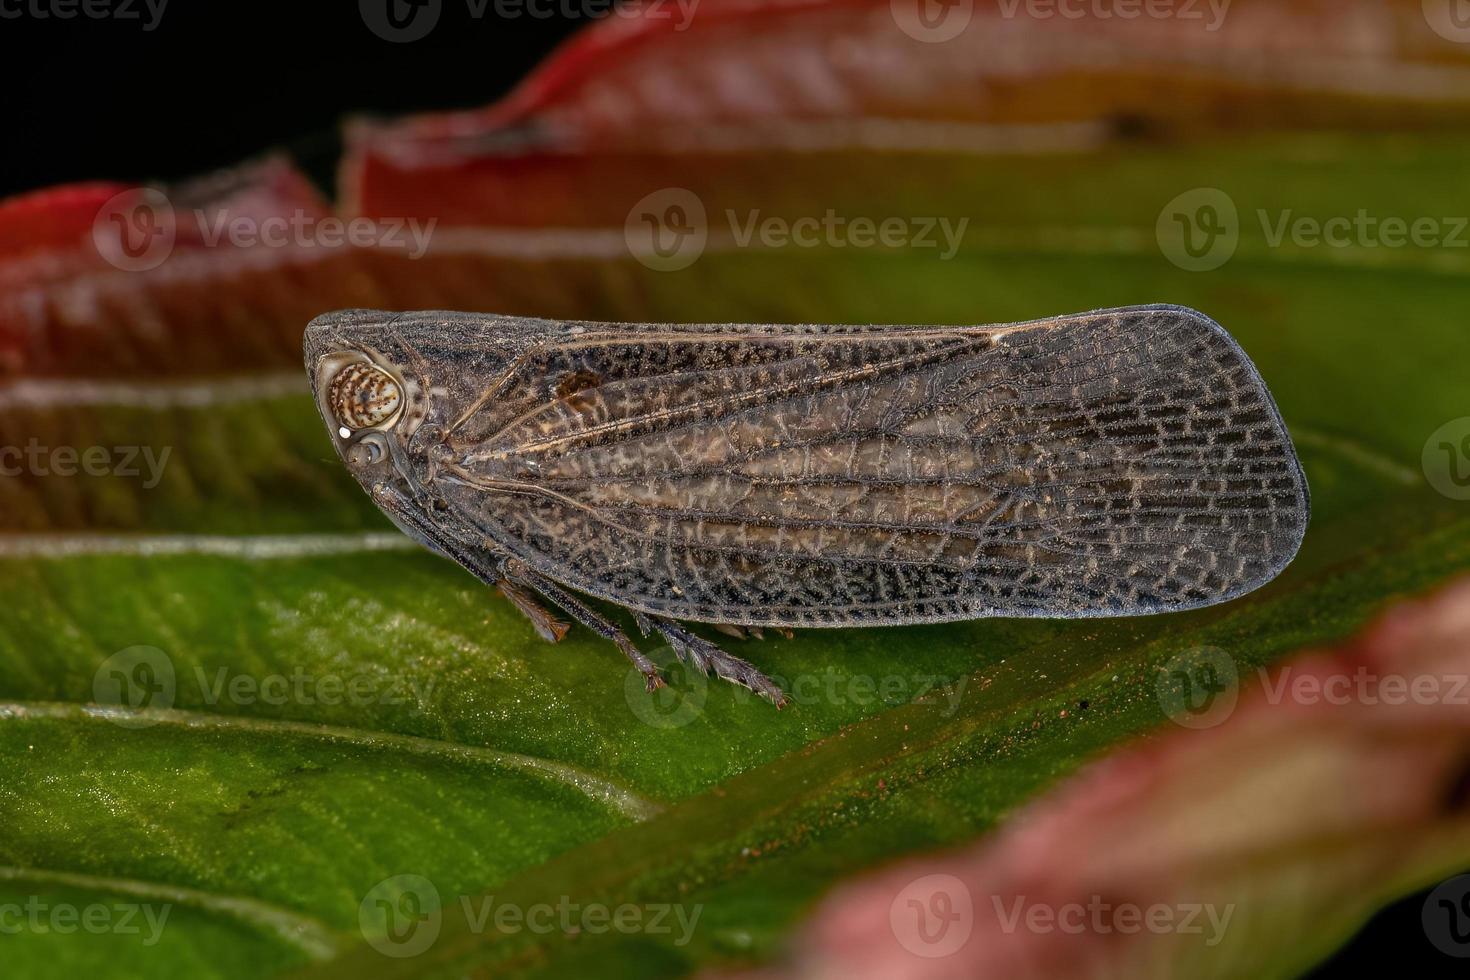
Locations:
(1112, 463)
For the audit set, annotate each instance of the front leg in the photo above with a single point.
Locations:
(481, 561)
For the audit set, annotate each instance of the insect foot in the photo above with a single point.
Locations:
(705, 656)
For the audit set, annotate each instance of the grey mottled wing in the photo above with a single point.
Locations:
(1113, 463)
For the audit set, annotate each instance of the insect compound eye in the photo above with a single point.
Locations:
(363, 395)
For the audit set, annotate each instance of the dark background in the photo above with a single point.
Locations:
(218, 82)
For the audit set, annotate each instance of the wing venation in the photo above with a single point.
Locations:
(1120, 462)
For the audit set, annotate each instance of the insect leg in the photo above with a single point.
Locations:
(547, 626)
(704, 655)
(519, 574)
(398, 506)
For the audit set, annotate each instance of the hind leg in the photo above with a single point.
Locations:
(704, 655)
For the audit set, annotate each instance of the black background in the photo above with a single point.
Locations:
(218, 82)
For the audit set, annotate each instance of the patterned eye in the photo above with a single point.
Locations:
(364, 395)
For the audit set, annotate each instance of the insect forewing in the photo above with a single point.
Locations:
(1111, 463)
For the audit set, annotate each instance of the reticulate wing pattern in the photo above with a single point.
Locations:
(1123, 462)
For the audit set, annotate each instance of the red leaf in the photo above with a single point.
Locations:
(649, 101)
(1336, 783)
